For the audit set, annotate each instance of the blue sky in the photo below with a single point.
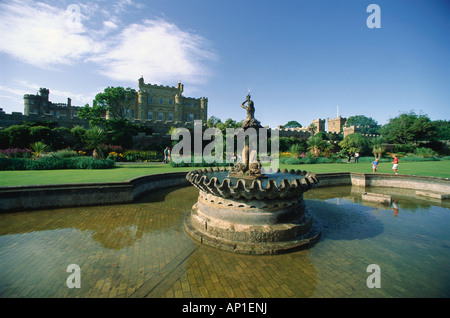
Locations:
(300, 59)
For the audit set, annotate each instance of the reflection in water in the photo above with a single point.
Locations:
(141, 250)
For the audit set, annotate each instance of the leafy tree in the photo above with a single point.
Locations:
(116, 101)
(213, 121)
(361, 120)
(442, 129)
(369, 125)
(355, 143)
(292, 124)
(407, 129)
(318, 144)
(377, 146)
(94, 114)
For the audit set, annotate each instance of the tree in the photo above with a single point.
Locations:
(114, 100)
(407, 129)
(213, 121)
(355, 143)
(442, 129)
(94, 138)
(318, 144)
(292, 124)
(377, 146)
(369, 125)
(94, 114)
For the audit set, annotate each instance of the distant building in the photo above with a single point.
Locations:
(157, 106)
(167, 104)
(335, 125)
(40, 104)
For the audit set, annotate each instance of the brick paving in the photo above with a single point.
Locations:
(141, 250)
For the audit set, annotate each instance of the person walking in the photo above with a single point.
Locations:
(375, 165)
(166, 155)
(356, 157)
(395, 164)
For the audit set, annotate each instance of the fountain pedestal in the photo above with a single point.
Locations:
(267, 217)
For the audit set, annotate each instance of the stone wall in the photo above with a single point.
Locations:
(22, 198)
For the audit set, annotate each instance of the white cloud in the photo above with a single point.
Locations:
(158, 50)
(22, 87)
(110, 24)
(40, 35)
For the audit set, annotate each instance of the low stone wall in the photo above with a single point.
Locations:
(431, 184)
(20, 198)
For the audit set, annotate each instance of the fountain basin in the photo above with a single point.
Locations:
(264, 216)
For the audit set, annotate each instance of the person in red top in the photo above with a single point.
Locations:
(395, 166)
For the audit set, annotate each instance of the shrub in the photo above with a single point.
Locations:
(90, 163)
(425, 152)
(65, 153)
(15, 153)
(54, 162)
(39, 148)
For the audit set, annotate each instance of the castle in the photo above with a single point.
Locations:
(157, 106)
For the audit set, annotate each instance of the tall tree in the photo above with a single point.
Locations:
(368, 124)
(355, 143)
(293, 124)
(116, 101)
(409, 129)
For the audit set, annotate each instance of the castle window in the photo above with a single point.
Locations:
(150, 115)
(161, 100)
(160, 116)
(170, 116)
(170, 101)
(132, 113)
(191, 104)
(150, 100)
(191, 117)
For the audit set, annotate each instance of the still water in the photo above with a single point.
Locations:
(141, 250)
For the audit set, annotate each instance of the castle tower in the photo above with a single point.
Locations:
(335, 125)
(204, 108)
(320, 125)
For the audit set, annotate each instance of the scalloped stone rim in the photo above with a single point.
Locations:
(301, 181)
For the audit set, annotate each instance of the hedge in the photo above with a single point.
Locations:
(53, 163)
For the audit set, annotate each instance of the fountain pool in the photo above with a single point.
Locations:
(142, 250)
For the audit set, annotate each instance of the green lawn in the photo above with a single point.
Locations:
(127, 172)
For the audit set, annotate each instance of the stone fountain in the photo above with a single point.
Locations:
(249, 210)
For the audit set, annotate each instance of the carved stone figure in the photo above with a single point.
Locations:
(250, 121)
